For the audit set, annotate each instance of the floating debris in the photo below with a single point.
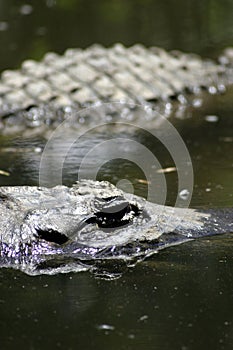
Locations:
(5, 173)
(143, 181)
(105, 327)
(166, 170)
(143, 318)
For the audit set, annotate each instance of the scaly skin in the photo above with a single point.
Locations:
(66, 229)
(44, 93)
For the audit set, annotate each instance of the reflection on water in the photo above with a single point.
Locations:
(172, 301)
(180, 299)
(207, 134)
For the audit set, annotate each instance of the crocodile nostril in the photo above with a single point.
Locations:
(51, 235)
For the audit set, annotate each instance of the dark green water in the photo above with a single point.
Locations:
(181, 298)
(54, 25)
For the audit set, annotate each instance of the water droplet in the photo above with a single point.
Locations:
(196, 90)
(37, 149)
(181, 98)
(221, 88)
(212, 90)
(197, 102)
(81, 120)
(168, 106)
(67, 109)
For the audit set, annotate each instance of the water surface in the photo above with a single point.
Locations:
(181, 298)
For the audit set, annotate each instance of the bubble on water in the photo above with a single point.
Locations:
(37, 149)
(81, 120)
(184, 194)
(182, 99)
(124, 148)
(168, 106)
(197, 102)
(211, 118)
(196, 90)
(221, 88)
(212, 90)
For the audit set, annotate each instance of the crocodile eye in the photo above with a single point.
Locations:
(117, 214)
(51, 235)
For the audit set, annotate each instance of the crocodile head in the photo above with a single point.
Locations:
(46, 228)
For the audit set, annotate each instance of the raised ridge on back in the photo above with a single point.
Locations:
(44, 92)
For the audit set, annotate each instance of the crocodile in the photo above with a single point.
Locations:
(63, 229)
(44, 93)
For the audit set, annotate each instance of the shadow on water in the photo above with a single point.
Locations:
(180, 299)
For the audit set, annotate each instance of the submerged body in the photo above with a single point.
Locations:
(46, 92)
(65, 229)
